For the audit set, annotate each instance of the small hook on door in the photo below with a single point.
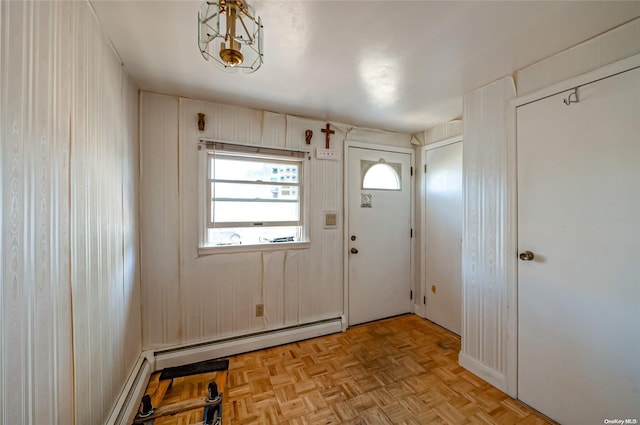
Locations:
(568, 100)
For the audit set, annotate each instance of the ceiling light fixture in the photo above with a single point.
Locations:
(230, 35)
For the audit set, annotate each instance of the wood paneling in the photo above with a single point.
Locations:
(70, 315)
(103, 103)
(159, 234)
(443, 132)
(35, 320)
(605, 49)
(214, 296)
(486, 224)
(320, 283)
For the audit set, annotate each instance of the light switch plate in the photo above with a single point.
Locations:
(330, 219)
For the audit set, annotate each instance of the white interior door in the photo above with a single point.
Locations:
(379, 234)
(579, 214)
(443, 236)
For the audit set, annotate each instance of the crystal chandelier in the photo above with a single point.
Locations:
(230, 35)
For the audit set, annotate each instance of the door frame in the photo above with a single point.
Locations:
(345, 237)
(420, 306)
(511, 240)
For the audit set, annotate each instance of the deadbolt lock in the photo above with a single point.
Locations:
(354, 251)
(353, 237)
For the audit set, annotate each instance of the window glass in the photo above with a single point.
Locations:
(254, 192)
(253, 236)
(255, 214)
(253, 198)
(247, 169)
(380, 175)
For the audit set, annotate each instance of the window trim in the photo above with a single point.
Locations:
(205, 146)
(230, 249)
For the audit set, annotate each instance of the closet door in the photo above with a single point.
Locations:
(579, 216)
(443, 236)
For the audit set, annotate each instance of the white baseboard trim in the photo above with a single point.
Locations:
(196, 353)
(129, 400)
(495, 378)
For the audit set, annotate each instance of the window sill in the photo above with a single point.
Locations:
(230, 249)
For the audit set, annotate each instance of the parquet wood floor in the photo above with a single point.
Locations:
(402, 370)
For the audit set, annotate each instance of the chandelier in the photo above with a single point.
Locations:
(230, 35)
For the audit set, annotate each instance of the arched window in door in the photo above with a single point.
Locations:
(381, 175)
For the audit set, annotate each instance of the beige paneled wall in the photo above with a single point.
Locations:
(319, 270)
(36, 363)
(69, 299)
(159, 228)
(202, 298)
(486, 228)
(106, 315)
(440, 132)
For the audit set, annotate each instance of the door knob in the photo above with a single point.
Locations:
(526, 256)
(354, 251)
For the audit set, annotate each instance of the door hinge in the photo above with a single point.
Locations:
(411, 233)
(411, 294)
(412, 171)
(424, 300)
(425, 168)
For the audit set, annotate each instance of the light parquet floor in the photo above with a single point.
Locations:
(402, 370)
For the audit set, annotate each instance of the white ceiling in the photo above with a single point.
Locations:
(393, 65)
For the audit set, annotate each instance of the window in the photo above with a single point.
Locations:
(380, 175)
(253, 195)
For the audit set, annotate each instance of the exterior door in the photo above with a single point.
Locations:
(443, 236)
(379, 234)
(579, 217)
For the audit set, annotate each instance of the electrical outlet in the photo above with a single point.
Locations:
(259, 310)
(331, 154)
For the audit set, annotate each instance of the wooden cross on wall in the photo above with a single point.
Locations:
(328, 132)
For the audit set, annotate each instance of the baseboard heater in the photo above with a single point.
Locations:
(228, 347)
(127, 404)
(150, 361)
